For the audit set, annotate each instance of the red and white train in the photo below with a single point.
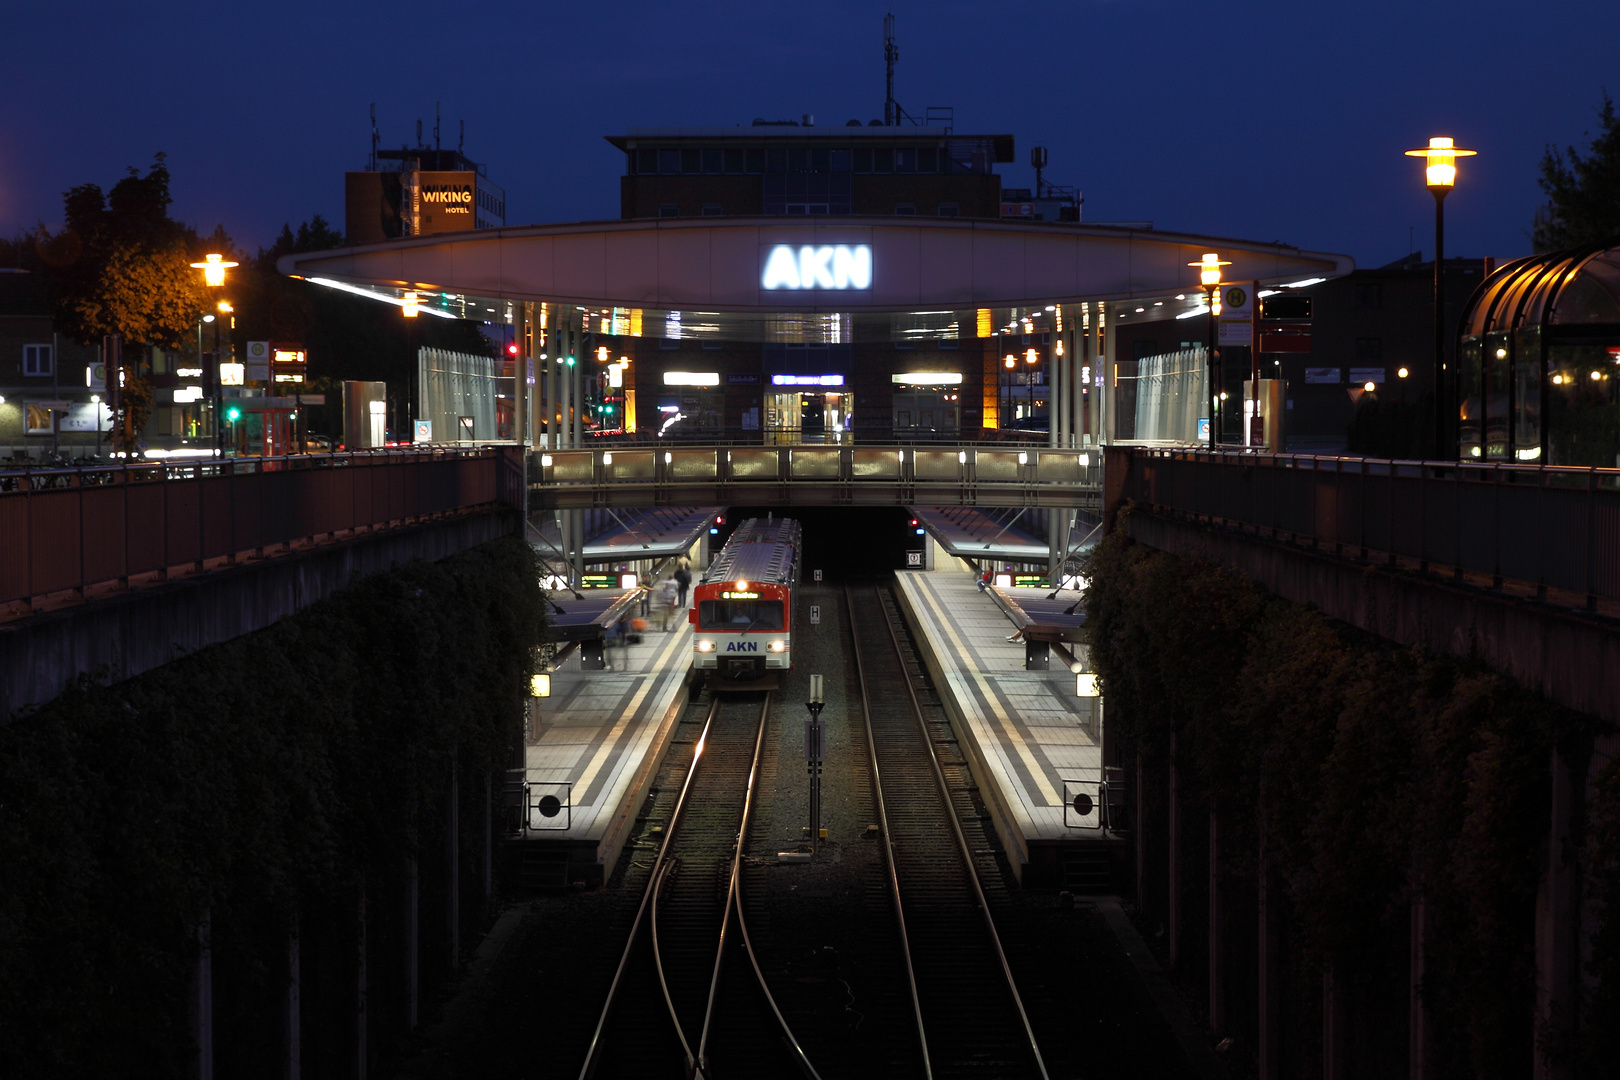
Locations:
(742, 609)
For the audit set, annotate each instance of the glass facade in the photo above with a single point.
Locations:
(1538, 377)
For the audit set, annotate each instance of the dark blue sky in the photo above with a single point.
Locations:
(1261, 121)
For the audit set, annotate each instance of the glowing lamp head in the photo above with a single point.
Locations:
(1031, 356)
(409, 305)
(225, 307)
(1209, 269)
(1370, 387)
(213, 268)
(1440, 172)
(741, 586)
(1011, 361)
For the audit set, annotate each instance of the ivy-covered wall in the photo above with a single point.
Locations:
(1359, 776)
(272, 783)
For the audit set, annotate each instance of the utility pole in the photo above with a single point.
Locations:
(891, 53)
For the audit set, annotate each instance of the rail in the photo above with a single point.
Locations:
(925, 474)
(1553, 528)
(79, 528)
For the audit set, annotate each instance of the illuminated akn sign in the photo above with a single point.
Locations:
(829, 266)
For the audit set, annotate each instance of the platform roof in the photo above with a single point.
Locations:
(697, 277)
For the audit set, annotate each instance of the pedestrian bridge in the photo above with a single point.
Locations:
(935, 475)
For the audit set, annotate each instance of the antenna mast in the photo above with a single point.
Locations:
(373, 137)
(437, 145)
(891, 53)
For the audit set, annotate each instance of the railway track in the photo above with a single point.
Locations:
(691, 1000)
(968, 1015)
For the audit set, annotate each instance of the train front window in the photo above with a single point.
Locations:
(737, 615)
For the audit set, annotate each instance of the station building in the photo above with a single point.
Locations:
(782, 282)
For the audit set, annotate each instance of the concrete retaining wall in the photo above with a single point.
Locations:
(125, 635)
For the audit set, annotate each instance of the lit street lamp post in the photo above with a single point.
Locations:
(213, 268)
(1440, 173)
(1209, 276)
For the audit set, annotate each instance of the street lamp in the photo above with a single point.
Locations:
(1209, 276)
(1440, 174)
(213, 268)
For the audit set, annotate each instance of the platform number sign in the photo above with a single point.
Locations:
(815, 614)
(818, 575)
(914, 558)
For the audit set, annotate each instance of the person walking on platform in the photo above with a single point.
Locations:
(683, 577)
(612, 638)
(668, 601)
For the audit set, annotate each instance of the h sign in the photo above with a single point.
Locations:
(829, 266)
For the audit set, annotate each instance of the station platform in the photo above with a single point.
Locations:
(592, 747)
(1032, 744)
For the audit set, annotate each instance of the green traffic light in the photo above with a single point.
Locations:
(233, 414)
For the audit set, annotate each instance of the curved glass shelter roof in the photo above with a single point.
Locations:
(1577, 288)
(710, 278)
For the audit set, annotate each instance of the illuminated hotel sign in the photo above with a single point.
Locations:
(830, 266)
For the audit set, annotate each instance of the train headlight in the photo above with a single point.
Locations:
(705, 646)
(777, 646)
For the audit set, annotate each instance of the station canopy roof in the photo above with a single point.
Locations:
(711, 278)
(1573, 289)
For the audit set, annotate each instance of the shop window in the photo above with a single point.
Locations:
(691, 161)
(754, 162)
(905, 209)
(734, 160)
(949, 209)
(712, 160)
(669, 161)
(860, 161)
(646, 161)
(838, 161)
(669, 209)
(37, 360)
(713, 209)
(883, 161)
(928, 159)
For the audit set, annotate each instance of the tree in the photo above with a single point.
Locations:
(1583, 193)
(121, 264)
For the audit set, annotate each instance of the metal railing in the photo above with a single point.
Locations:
(1546, 526)
(930, 475)
(63, 529)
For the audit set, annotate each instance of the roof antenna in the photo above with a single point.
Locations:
(373, 137)
(437, 146)
(419, 133)
(461, 144)
(891, 53)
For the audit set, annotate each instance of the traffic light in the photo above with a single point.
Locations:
(512, 349)
(233, 413)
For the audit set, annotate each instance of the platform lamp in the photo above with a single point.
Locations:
(814, 745)
(1209, 277)
(1440, 174)
(213, 268)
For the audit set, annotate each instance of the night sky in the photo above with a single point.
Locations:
(1259, 121)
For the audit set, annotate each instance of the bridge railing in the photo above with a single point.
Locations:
(66, 529)
(1551, 527)
(921, 474)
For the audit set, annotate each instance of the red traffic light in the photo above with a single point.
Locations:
(511, 350)
(913, 523)
(720, 521)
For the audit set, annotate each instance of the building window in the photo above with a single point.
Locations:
(712, 160)
(883, 161)
(928, 159)
(713, 209)
(1369, 294)
(839, 161)
(734, 159)
(669, 161)
(905, 208)
(691, 161)
(861, 161)
(755, 162)
(950, 343)
(37, 360)
(646, 161)
(798, 161)
(949, 209)
(776, 161)
(713, 343)
(669, 209)
(905, 160)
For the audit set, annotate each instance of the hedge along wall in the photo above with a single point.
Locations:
(272, 782)
(1357, 776)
